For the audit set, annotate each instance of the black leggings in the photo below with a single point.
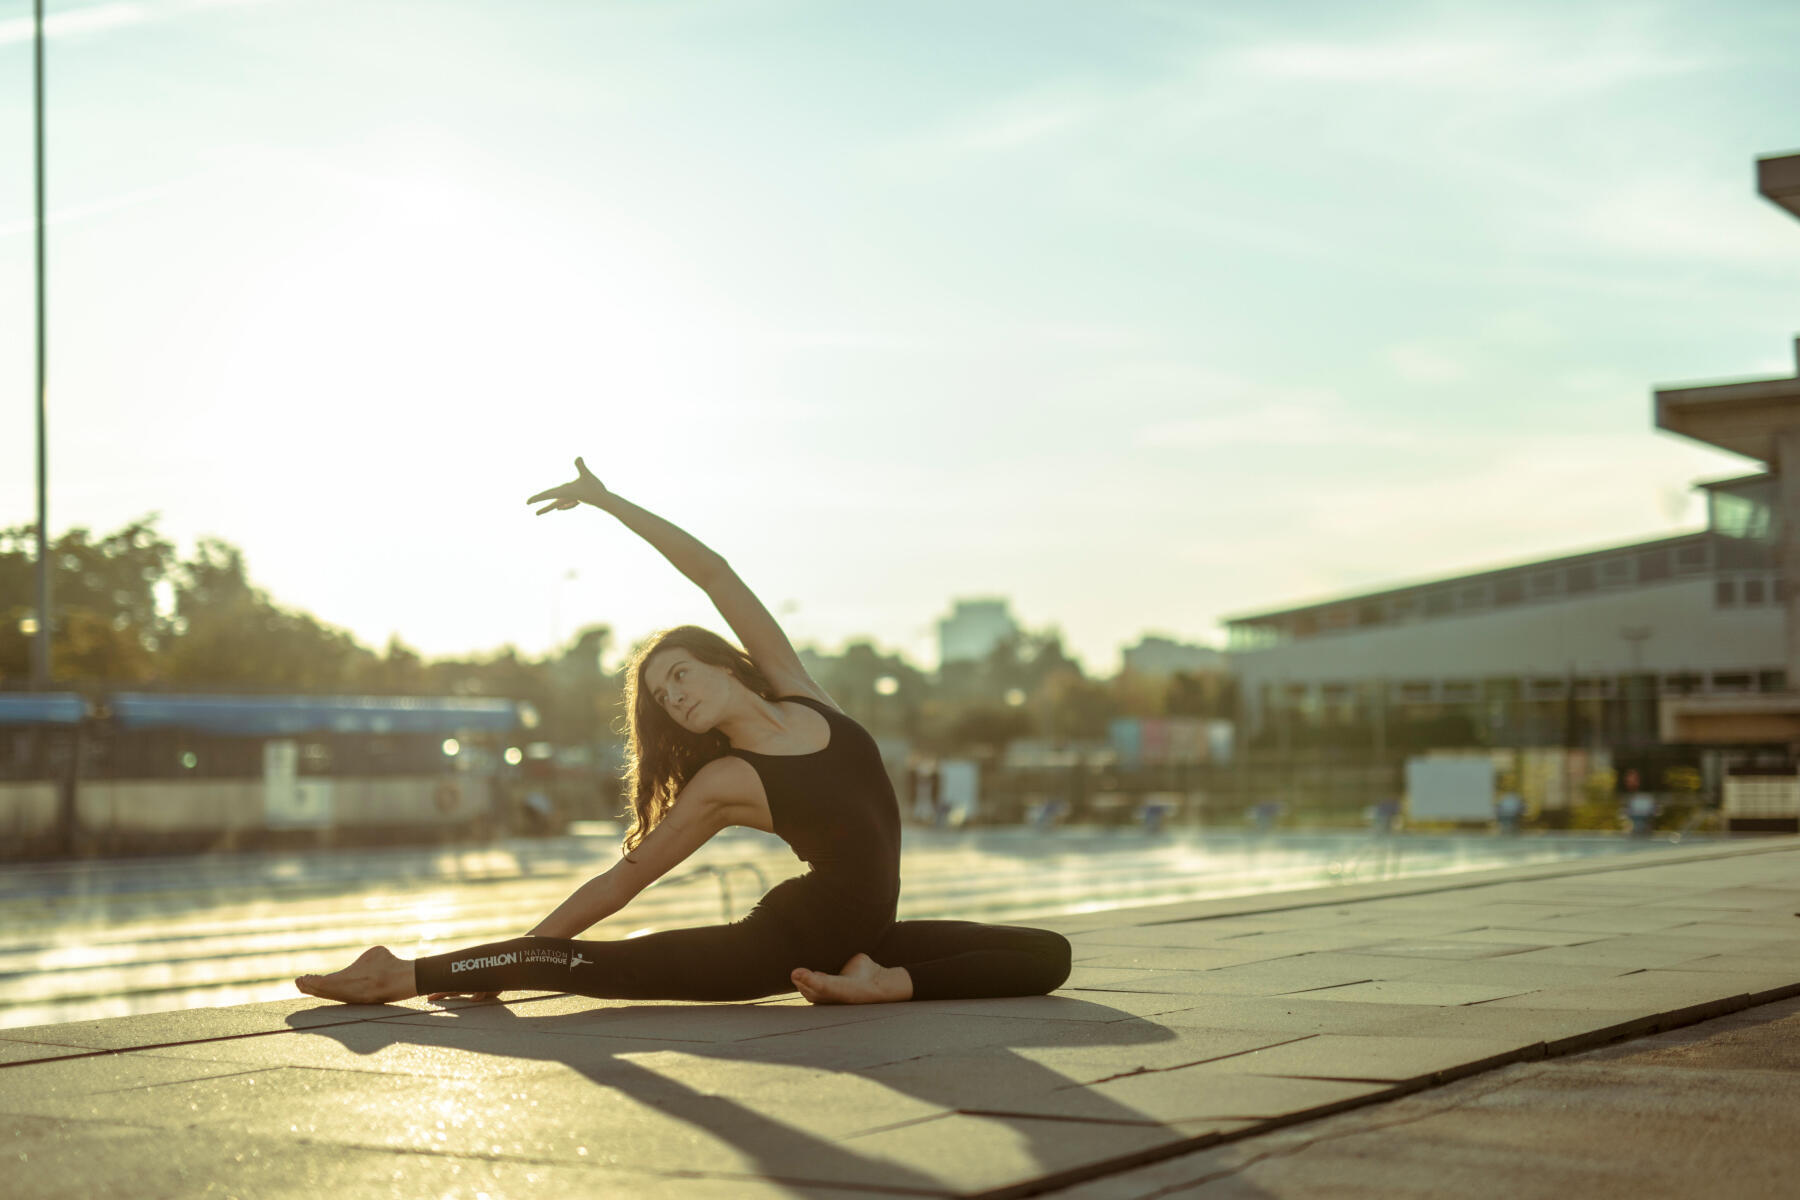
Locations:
(948, 960)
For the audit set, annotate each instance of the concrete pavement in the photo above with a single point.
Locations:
(1704, 1110)
(1192, 1045)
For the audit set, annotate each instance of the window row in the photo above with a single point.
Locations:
(1514, 587)
(1529, 688)
(1747, 591)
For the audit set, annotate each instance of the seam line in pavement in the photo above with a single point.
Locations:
(1632, 1030)
(1196, 1062)
(1307, 1144)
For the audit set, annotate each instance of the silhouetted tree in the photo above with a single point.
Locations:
(229, 633)
(108, 625)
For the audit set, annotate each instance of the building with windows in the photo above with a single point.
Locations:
(1561, 651)
(1691, 639)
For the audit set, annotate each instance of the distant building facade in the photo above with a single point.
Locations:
(1691, 640)
(973, 629)
(1159, 657)
(1564, 651)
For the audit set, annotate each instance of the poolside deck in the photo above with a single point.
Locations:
(1188, 1030)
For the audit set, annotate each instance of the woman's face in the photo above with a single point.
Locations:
(693, 693)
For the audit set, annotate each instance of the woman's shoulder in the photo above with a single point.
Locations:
(816, 699)
(725, 777)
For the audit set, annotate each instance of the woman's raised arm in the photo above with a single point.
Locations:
(762, 637)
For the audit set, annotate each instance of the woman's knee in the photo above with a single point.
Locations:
(1053, 954)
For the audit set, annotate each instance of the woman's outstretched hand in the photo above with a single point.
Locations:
(583, 489)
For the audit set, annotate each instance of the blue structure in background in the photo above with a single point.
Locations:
(276, 716)
(41, 708)
(130, 771)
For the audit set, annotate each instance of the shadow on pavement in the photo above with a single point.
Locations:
(781, 1151)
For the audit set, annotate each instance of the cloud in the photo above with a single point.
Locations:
(104, 18)
(1495, 496)
(1238, 412)
(77, 213)
(1679, 217)
(1559, 60)
(96, 18)
(1021, 121)
(1041, 118)
(1407, 61)
(1425, 362)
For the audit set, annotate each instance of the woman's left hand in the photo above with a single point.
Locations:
(583, 489)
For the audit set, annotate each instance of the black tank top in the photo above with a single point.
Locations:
(836, 808)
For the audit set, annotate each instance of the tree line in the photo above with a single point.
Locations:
(134, 613)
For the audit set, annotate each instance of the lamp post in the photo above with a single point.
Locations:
(40, 645)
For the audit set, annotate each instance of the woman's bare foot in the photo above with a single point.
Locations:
(862, 980)
(377, 976)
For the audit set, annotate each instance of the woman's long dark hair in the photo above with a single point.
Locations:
(661, 756)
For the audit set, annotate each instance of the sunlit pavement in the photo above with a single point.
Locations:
(1196, 1043)
(112, 938)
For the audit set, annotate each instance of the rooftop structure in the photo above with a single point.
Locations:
(973, 629)
(1760, 419)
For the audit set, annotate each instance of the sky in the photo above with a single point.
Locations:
(1141, 315)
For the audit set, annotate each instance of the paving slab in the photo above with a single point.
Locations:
(1713, 929)
(1096, 1057)
(200, 1024)
(917, 1030)
(391, 1048)
(1650, 991)
(661, 1020)
(104, 1086)
(1415, 991)
(1743, 964)
(1180, 958)
(1701, 1111)
(1304, 941)
(1510, 971)
(1371, 1058)
(1082, 975)
(1524, 1026)
(1449, 947)
(1070, 1005)
(1273, 977)
(1172, 934)
(1295, 1013)
(998, 1081)
(1196, 1094)
(970, 1153)
(1203, 1024)
(1522, 934)
(1628, 954)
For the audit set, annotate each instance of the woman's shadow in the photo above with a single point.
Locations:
(976, 1083)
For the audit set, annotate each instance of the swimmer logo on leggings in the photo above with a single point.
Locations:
(578, 960)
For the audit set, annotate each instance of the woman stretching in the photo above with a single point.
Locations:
(721, 737)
